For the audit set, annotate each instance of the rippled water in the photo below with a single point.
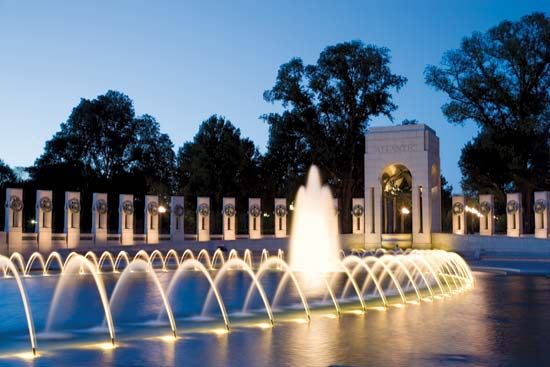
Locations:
(504, 321)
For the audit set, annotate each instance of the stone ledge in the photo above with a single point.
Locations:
(471, 244)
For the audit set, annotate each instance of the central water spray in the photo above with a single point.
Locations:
(314, 248)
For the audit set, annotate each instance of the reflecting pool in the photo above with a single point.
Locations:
(504, 320)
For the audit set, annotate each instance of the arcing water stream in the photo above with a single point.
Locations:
(319, 272)
(368, 279)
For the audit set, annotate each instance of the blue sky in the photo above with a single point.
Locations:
(182, 61)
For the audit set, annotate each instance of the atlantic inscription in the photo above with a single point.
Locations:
(397, 148)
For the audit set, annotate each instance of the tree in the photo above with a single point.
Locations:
(406, 122)
(102, 143)
(328, 106)
(285, 162)
(446, 205)
(500, 80)
(218, 162)
(152, 156)
(7, 175)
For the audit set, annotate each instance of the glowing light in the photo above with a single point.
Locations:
(26, 356)
(378, 308)
(300, 321)
(168, 338)
(220, 331)
(357, 312)
(162, 209)
(105, 346)
(330, 316)
(264, 325)
(473, 211)
(405, 211)
(398, 305)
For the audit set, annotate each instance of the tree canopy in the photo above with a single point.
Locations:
(327, 109)
(103, 141)
(500, 80)
(218, 162)
(7, 175)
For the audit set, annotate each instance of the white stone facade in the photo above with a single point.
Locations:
(72, 218)
(514, 215)
(459, 214)
(542, 200)
(177, 214)
(415, 147)
(43, 225)
(358, 215)
(203, 219)
(99, 218)
(254, 218)
(126, 219)
(229, 221)
(151, 222)
(487, 220)
(281, 215)
(14, 216)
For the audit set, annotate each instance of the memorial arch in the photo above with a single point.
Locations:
(402, 186)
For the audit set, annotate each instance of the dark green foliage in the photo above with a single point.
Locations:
(446, 205)
(103, 146)
(328, 106)
(218, 162)
(501, 81)
(7, 175)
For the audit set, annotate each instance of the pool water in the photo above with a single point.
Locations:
(503, 321)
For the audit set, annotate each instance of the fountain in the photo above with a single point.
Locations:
(364, 280)
(314, 246)
(321, 276)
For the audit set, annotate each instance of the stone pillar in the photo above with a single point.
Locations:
(229, 222)
(72, 218)
(373, 216)
(280, 213)
(43, 226)
(151, 221)
(203, 219)
(254, 218)
(421, 219)
(14, 216)
(99, 218)
(126, 219)
(421, 214)
(459, 215)
(514, 215)
(426, 237)
(177, 214)
(487, 221)
(358, 215)
(542, 200)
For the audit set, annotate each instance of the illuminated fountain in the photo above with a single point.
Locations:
(314, 247)
(355, 283)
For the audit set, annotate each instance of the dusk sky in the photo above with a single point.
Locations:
(184, 61)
